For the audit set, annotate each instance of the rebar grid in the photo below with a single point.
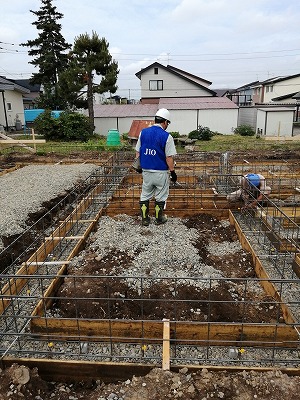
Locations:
(18, 338)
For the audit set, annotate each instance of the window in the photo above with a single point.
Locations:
(155, 71)
(9, 106)
(155, 85)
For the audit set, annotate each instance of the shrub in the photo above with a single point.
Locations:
(69, 126)
(244, 130)
(175, 135)
(74, 126)
(202, 133)
(46, 125)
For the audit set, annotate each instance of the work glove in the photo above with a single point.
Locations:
(137, 166)
(173, 176)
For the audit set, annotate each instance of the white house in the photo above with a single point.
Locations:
(11, 104)
(218, 113)
(159, 81)
(187, 96)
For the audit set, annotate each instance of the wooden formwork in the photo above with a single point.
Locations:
(183, 201)
(192, 333)
(108, 372)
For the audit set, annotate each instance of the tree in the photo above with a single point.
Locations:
(90, 56)
(48, 50)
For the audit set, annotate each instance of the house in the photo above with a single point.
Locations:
(243, 95)
(187, 96)
(11, 104)
(218, 113)
(30, 99)
(159, 81)
(277, 90)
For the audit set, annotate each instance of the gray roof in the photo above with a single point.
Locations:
(6, 84)
(149, 110)
(197, 103)
(125, 110)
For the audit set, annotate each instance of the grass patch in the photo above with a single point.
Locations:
(218, 143)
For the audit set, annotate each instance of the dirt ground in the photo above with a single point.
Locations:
(216, 304)
(20, 382)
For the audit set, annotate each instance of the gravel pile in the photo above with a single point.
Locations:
(24, 190)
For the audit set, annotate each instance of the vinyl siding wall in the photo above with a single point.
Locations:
(173, 86)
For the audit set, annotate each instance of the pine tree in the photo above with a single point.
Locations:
(48, 50)
(90, 56)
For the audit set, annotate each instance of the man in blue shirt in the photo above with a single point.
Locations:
(253, 191)
(155, 148)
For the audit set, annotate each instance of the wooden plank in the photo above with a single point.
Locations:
(181, 332)
(81, 371)
(71, 371)
(60, 238)
(296, 264)
(178, 213)
(22, 141)
(166, 345)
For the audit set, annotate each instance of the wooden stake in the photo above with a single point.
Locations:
(166, 345)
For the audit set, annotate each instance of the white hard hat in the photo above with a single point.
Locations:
(163, 113)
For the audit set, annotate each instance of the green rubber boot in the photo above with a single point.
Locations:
(160, 218)
(144, 206)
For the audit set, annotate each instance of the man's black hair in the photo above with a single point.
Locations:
(159, 120)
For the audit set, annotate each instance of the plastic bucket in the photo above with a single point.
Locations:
(113, 138)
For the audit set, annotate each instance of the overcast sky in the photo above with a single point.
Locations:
(227, 42)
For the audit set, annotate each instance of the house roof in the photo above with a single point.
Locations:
(136, 127)
(248, 85)
(296, 96)
(280, 79)
(195, 80)
(276, 109)
(149, 110)
(223, 92)
(197, 103)
(26, 83)
(284, 97)
(7, 84)
(125, 110)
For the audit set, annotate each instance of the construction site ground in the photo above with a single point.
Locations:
(19, 381)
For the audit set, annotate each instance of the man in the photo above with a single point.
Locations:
(155, 148)
(253, 190)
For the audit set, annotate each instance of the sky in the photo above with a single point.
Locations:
(227, 42)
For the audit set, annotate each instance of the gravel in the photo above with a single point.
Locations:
(24, 190)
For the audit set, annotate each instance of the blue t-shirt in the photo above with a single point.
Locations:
(152, 150)
(253, 179)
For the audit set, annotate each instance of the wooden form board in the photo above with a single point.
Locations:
(22, 141)
(152, 332)
(109, 372)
